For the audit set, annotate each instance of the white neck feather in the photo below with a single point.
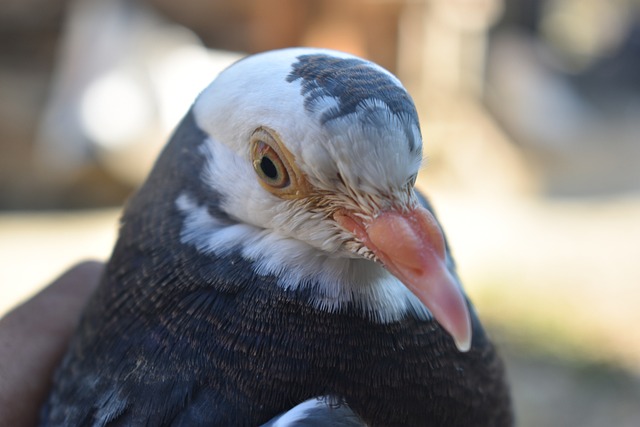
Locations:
(338, 282)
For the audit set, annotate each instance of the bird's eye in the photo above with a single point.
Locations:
(276, 166)
(269, 165)
(272, 162)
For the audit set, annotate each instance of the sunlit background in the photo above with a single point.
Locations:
(530, 113)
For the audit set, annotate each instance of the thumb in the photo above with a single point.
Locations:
(33, 339)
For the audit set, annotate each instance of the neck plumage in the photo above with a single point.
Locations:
(332, 283)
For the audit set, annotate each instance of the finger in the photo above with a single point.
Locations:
(33, 338)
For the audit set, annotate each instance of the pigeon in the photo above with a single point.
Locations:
(278, 268)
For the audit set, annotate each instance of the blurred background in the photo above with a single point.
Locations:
(530, 112)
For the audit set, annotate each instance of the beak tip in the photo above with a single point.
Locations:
(460, 330)
(463, 343)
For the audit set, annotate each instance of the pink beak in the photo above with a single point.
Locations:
(410, 245)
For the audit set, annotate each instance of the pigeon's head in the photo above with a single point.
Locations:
(313, 155)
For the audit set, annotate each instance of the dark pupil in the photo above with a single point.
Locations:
(268, 168)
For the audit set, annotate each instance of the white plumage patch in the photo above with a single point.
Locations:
(370, 150)
(337, 281)
(298, 412)
(320, 411)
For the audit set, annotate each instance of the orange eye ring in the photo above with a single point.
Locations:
(269, 166)
(267, 162)
(276, 166)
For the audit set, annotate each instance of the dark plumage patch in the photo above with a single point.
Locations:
(350, 82)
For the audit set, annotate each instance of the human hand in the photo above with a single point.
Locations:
(33, 339)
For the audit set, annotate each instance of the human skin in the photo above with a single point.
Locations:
(33, 339)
